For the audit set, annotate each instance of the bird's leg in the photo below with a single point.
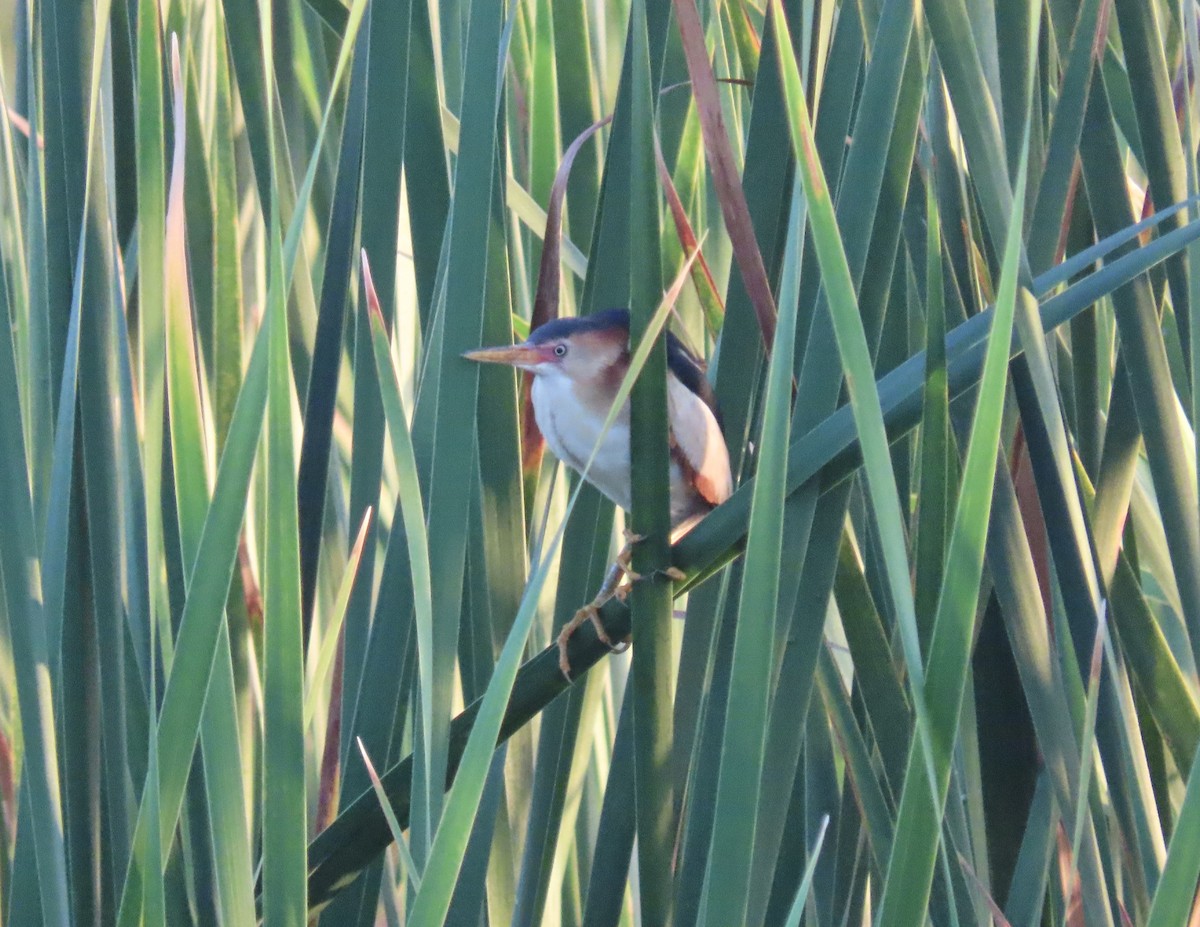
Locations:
(617, 581)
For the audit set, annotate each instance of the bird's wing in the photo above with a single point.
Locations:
(698, 439)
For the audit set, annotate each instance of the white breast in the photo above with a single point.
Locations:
(571, 430)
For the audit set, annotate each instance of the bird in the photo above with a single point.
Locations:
(578, 365)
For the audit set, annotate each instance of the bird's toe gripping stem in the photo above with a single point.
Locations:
(617, 582)
(589, 612)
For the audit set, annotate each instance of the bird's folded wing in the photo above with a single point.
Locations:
(698, 439)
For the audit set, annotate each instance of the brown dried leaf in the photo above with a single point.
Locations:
(702, 277)
(725, 175)
(995, 910)
(545, 299)
(1069, 882)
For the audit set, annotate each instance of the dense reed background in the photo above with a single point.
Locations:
(264, 532)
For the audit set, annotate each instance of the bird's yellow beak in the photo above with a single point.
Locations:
(519, 355)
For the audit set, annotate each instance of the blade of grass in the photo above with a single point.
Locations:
(920, 812)
(798, 643)
(65, 127)
(699, 780)
(317, 440)
(378, 233)
(410, 866)
(793, 918)
(285, 807)
(425, 162)
(650, 680)
(975, 110)
(42, 386)
(1047, 219)
(203, 616)
(878, 813)
(546, 299)
(935, 494)
(542, 101)
(383, 78)
(1026, 896)
(102, 408)
(743, 747)
(578, 108)
(151, 276)
(228, 325)
(117, 609)
(1158, 129)
(365, 466)
(57, 532)
(333, 630)
(878, 685)
(1088, 740)
(499, 568)
(186, 417)
(1141, 758)
(1175, 897)
(412, 508)
(1155, 668)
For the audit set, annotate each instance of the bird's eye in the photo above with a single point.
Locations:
(560, 350)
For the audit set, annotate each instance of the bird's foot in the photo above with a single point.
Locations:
(622, 569)
(589, 612)
(617, 582)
